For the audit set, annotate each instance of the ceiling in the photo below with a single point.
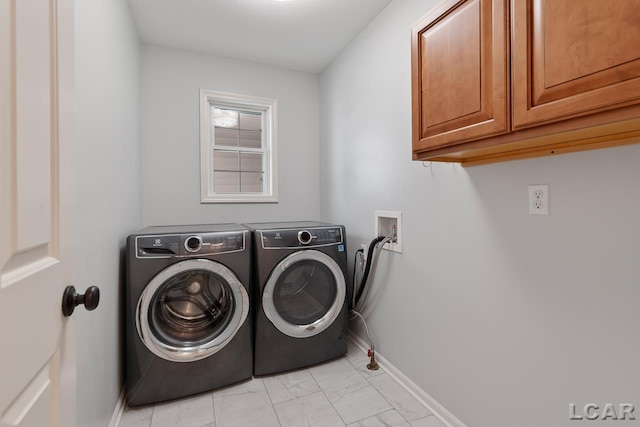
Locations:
(304, 35)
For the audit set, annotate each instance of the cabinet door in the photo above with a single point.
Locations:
(573, 57)
(460, 83)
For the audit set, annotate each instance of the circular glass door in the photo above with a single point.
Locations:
(304, 294)
(191, 310)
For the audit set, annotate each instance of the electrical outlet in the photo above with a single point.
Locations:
(364, 252)
(539, 200)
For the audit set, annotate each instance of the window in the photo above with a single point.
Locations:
(238, 148)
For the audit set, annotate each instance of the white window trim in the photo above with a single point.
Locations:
(268, 107)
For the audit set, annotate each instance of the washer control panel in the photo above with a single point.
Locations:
(172, 245)
(212, 243)
(295, 238)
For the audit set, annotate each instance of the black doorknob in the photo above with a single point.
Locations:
(71, 299)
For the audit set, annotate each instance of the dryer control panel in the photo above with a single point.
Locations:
(296, 238)
(172, 245)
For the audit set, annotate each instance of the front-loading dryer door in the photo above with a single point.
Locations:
(304, 294)
(191, 310)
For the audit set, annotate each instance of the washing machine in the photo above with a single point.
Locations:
(301, 298)
(188, 322)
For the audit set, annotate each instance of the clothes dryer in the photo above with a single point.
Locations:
(188, 324)
(301, 298)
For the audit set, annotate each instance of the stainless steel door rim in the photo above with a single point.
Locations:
(189, 351)
(319, 325)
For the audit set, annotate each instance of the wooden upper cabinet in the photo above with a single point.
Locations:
(460, 79)
(573, 57)
(496, 80)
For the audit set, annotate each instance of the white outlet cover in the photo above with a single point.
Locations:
(539, 199)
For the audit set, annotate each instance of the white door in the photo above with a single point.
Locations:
(37, 353)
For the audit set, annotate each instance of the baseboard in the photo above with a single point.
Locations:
(439, 411)
(119, 409)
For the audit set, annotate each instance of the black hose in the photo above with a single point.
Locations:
(365, 275)
(353, 278)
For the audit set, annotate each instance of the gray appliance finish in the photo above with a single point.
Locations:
(301, 295)
(188, 320)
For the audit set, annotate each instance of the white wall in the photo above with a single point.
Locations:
(502, 317)
(171, 81)
(108, 193)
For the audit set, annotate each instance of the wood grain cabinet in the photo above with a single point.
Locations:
(460, 78)
(496, 80)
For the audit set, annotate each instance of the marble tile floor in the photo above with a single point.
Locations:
(342, 392)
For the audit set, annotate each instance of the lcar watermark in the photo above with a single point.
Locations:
(610, 411)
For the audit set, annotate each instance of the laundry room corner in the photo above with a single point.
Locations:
(503, 317)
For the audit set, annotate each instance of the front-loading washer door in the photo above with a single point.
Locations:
(304, 294)
(191, 310)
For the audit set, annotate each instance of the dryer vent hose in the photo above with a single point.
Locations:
(367, 268)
